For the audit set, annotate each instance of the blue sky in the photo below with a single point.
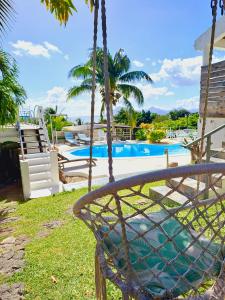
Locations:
(158, 36)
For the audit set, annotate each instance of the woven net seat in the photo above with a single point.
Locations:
(153, 247)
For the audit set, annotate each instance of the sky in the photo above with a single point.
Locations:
(158, 36)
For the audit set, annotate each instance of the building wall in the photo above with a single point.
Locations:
(216, 97)
(212, 123)
(9, 134)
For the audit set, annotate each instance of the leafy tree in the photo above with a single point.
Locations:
(176, 114)
(12, 94)
(79, 121)
(121, 117)
(145, 117)
(120, 79)
(50, 111)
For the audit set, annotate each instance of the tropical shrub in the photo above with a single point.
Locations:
(155, 136)
(141, 135)
(58, 123)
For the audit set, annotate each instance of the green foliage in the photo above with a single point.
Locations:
(155, 136)
(186, 122)
(119, 75)
(145, 117)
(58, 122)
(176, 114)
(48, 112)
(132, 116)
(121, 117)
(12, 94)
(141, 135)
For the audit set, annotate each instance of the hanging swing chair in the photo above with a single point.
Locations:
(152, 247)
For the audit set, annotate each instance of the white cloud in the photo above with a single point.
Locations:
(28, 48)
(180, 71)
(52, 47)
(150, 91)
(76, 107)
(190, 104)
(138, 63)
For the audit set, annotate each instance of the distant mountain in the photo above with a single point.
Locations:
(161, 111)
(158, 110)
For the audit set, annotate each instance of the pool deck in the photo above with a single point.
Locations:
(123, 167)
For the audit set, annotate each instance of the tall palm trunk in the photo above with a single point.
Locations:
(112, 118)
(107, 90)
(95, 38)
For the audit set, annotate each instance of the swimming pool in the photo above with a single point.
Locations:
(131, 150)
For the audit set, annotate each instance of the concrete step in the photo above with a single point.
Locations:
(40, 184)
(188, 186)
(218, 152)
(40, 176)
(159, 191)
(219, 182)
(38, 161)
(39, 168)
(217, 160)
(45, 192)
(28, 156)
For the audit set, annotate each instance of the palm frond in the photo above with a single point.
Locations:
(121, 63)
(6, 13)
(77, 90)
(61, 9)
(128, 105)
(134, 76)
(80, 71)
(91, 3)
(131, 91)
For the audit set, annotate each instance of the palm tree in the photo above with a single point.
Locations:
(12, 94)
(119, 78)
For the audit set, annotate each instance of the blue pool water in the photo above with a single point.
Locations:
(131, 150)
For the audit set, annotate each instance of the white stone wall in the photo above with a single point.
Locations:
(211, 124)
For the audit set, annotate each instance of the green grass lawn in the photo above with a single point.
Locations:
(67, 253)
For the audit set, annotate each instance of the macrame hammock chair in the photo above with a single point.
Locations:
(148, 247)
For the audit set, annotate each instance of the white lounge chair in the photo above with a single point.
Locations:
(70, 138)
(83, 138)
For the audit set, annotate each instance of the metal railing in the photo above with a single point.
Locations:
(208, 137)
(41, 121)
(20, 139)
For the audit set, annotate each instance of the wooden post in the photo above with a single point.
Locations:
(208, 155)
(166, 152)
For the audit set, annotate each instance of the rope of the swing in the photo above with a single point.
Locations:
(95, 37)
(214, 4)
(107, 90)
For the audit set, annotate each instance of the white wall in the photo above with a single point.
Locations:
(8, 134)
(211, 124)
